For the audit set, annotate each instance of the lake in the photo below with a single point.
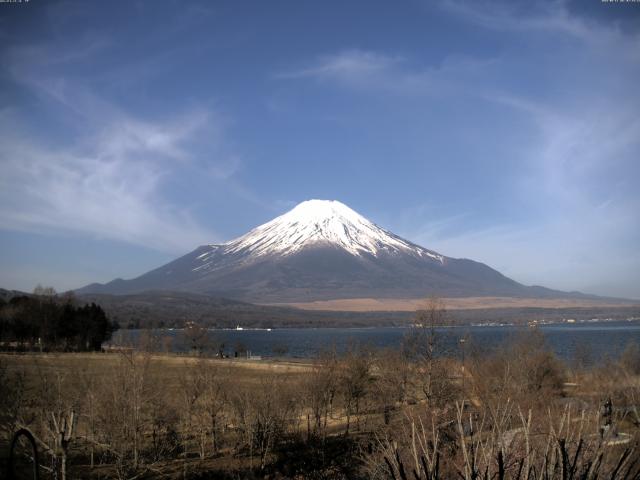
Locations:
(596, 340)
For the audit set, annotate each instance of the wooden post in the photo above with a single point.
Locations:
(63, 430)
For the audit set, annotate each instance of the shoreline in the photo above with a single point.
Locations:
(524, 323)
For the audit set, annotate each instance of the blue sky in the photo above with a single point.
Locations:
(505, 132)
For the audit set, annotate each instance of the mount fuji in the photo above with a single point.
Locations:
(322, 250)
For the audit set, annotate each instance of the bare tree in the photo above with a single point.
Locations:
(41, 291)
(507, 443)
(63, 425)
(425, 345)
(525, 371)
(197, 338)
(204, 396)
(321, 387)
(51, 415)
(191, 387)
(214, 398)
(393, 380)
(264, 413)
(12, 391)
(120, 411)
(88, 383)
(354, 373)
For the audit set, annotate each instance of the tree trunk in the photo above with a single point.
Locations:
(213, 435)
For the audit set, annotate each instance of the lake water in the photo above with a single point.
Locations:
(598, 340)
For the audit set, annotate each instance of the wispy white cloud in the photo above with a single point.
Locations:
(364, 71)
(110, 190)
(579, 228)
(576, 172)
(346, 65)
(578, 148)
(581, 216)
(110, 178)
(542, 16)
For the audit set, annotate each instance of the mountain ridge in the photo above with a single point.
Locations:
(323, 250)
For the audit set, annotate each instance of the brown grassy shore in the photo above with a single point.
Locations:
(146, 415)
(155, 403)
(172, 367)
(466, 303)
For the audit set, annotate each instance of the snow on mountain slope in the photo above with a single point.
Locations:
(323, 221)
(321, 250)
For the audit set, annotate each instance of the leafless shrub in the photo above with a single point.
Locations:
(262, 414)
(204, 396)
(121, 413)
(621, 381)
(501, 445)
(12, 392)
(50, 416)
(582, 357)
(354, 380)
(320, 387)
(630, 358)
(525, 372)
(197, 339)
(393, 380)
(426, 346)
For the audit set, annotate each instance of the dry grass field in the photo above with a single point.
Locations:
(366, 414)
(467, 303)
(171, 369)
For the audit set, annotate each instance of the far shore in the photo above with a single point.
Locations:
(452, 303)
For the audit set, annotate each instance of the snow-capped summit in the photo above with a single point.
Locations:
(321, 250)
(328, 222)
